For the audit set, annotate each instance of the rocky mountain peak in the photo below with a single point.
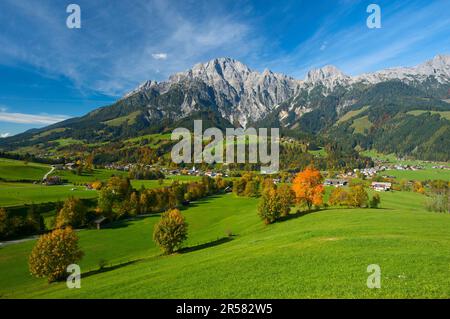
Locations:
(328, 72)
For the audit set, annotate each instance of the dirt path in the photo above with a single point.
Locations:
(48, 173)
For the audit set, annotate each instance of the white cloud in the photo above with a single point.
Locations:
(3, 135)
(22, 118)
(159, 56)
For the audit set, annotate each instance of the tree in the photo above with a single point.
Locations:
(358, 196)
(269, 208)
(375, 201)
(4, 223)
(52, 254)
(135, 208)
(72, 214)
(34, 220)
(170, 231)
(308, 188)
(285, 197)
(339, 197)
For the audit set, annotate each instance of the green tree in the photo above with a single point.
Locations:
(52, 254)
(170, 231)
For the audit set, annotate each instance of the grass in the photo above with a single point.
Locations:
(88, 177)
(361, 124)
(130, 119)
(350, 114)
(14, 194)
(443, 114)
(137, 184)
(319, 255)
(420, 175)
(12, 170)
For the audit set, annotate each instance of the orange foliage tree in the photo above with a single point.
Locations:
(308, 187)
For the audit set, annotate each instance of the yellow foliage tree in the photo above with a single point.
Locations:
(52, 254)
(170, 231)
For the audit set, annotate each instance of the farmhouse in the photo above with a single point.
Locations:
(335, 182)
(380, 186)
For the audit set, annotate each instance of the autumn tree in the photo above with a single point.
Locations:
(269, 208)
(358, 196)
(339, 197)
(73, 213)
(52, 254)
(308, 187)
(285, 198)
(170, 231)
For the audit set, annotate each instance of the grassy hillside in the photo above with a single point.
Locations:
(12, 194)
(87, 177)
(12, 170)
(322, 254)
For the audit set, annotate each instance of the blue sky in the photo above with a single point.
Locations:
(49, 72)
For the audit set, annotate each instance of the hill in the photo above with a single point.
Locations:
(319, 255)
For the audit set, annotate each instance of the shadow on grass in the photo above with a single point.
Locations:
(214, 243)
(300, 214)
(317, 210)
(110, 268)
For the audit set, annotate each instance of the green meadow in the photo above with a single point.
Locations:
(323, 254)
(12, 170)
(15, 194)
(88, 177)
(420, 175)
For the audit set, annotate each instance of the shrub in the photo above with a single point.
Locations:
(170, 231)
(439, 203)
(375, 201)
(53, 252)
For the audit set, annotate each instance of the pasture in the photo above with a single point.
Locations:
(323, 254)
(12, 170)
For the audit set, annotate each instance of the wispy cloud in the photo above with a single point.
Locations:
(4, 135)
(22, 118)
(159, 56)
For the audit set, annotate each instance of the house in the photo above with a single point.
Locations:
(52, 180)
(381, 186)
(335, 182)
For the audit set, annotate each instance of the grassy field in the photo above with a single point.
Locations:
(13, 194)
(166, 182)
(12, 170)
(88, 177)
(320, 255)
(444, 114)
(420, 175)
(361, 124)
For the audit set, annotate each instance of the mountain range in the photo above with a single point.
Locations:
(402, 110)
